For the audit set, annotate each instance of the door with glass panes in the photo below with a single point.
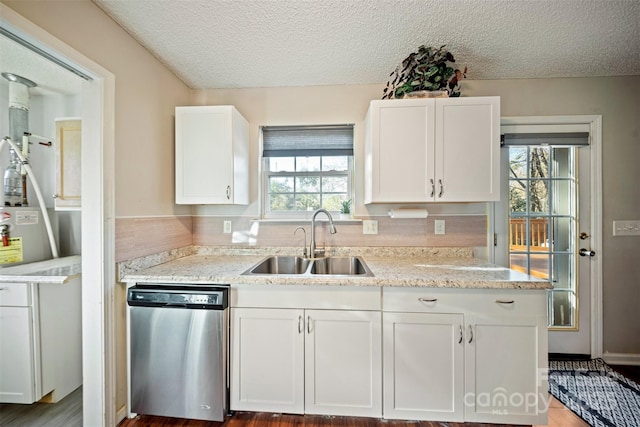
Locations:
(543, 225)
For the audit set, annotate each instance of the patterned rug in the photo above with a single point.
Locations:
(594, 391)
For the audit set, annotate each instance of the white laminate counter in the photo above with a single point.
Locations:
(444, 268)
(54, 271)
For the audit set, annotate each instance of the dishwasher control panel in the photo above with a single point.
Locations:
(208, 298)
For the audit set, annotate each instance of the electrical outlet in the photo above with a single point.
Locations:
(227, 227)
(369, 227)
(626, 228)
(439, 226)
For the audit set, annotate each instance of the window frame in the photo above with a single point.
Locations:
(304, 152)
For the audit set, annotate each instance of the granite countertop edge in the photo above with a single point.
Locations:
(392, 267)
(53, 271)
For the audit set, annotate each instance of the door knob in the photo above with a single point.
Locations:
(584, 236)
(586, 252)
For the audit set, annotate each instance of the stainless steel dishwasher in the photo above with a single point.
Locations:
(178, 350)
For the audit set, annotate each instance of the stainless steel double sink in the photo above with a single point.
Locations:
(295, 265)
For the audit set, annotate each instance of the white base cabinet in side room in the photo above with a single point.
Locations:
(212, 156)
(432, 150)
(423, 366)
(267, 369)
(40, 341)
(17, 373)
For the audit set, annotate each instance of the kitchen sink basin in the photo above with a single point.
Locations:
(350, 266)
(281, 265)
(330, 266)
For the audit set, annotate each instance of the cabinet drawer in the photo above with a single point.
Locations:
(306, 297)
(484, 301)
(15, 294)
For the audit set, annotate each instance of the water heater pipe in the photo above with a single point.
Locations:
(36, 188)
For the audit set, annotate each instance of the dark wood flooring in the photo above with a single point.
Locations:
(68, 413)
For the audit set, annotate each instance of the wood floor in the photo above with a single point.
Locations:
(68, 413)
(559, 416)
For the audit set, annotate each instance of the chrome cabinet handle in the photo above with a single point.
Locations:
(308, 324)
(228, 192)
(427, 299)
(441, 188)
(433, 188)
(461, 334)
(300, 325)
(505, 301)
(470, 334)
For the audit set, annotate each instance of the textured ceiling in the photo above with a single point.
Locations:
(50, 78)
(258, 43)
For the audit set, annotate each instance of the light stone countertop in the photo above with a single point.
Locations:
(412, 267)
(53, 271)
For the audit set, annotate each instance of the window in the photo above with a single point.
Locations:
(306, 168)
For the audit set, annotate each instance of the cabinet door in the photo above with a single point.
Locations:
(205, 158)
(343, 367)
(399, 151)
(267, 372)
(17, 368)
(505, 369)
(467, 149)
(423, 366)
(68, 149)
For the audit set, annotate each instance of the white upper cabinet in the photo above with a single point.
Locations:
(433, 150)
(212, 156)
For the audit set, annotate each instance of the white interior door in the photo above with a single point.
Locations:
(543, 224)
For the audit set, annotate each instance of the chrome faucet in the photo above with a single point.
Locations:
(313, 252)
(304, 248)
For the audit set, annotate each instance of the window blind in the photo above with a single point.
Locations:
(551, 139)
(287, 141)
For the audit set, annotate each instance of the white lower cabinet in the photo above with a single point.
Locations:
(505, 380)
(343, 363)
(485, 363)
(472, 355)
(40, 341)
(423, 366)
(267, 360)
(17, 373)
(306, 361)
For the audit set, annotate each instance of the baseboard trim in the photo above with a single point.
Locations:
(622, 358)
(121, 414)
(568, 356)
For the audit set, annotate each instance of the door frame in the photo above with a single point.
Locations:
(98, 220)
(595, 142)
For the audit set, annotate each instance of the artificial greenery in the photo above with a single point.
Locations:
(426, 69)
(345, 206)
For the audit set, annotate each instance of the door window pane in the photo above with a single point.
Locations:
(542, 222)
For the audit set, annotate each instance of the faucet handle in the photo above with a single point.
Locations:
(304, 248)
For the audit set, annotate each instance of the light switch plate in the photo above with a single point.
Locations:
(369, 227)
(439, 226)
(227, 227)
(626, 228)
